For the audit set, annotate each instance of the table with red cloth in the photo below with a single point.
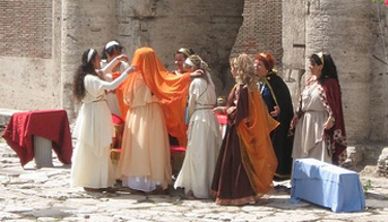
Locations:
(50, 124)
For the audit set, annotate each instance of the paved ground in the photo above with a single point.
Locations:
(44, 195)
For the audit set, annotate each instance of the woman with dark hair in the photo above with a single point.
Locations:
(247, 162)
(180, 56)
(91, 166)
(278, 100)
(320, 128)
(204, 136)
(114, 98)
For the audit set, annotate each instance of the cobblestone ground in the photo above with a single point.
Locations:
(31, 194)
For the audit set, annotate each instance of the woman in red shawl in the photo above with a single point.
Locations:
(320, 105)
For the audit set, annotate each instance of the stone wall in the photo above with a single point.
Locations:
(261, 29)
(85, 24)
(28, 76)
(208, 27)
(347, 30)
(379, 75)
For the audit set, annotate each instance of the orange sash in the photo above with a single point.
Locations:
(257, 153)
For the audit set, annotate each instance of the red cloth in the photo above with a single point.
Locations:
(117, 119)
(50, 124)
(336, 135)
(177, 149)
(222, 119)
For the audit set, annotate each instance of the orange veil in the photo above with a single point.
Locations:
(171, 90)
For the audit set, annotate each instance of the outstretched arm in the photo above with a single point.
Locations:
(115, 83)
(108, 68)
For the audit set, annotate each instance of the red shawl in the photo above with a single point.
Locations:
(336, 136)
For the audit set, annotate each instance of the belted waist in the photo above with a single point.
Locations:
(96, 101)
(202, 107)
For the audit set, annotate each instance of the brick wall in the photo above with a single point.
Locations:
(26, 28)
(261, 29)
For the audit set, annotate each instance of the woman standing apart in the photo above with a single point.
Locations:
(204, 136)
(247, 162)
(91, 166)
(278, 100)
(320, 129)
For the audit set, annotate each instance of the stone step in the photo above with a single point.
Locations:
(5, 115)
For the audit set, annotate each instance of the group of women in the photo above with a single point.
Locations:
(157, 104)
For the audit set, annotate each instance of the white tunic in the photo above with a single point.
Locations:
(91, 164)
(308, 140)
(204, 141)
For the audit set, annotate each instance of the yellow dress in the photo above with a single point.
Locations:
(145, 159)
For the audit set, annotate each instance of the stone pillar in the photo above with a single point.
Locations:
(70, 52)
(294, 45)
(85, 24)
(379, 75)
(208, 27)
(343, 28)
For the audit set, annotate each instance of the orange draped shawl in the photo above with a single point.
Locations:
(170, 89)
(257, 153)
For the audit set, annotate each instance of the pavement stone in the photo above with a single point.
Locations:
(45, 195)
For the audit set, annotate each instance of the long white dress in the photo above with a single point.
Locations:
(204, 140)
(91, 164)
(308, 140)
(145, 157)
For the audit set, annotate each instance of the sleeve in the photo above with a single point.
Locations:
(242, 110)
(94, 85)
(193, 96)
(284, 100)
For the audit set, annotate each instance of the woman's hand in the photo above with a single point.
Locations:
(329, 123)
(196, 73)
(294, 121)
(276, 111)
(220, 109)
(122, 57)
(230, 110)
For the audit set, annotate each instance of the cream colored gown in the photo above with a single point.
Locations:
(308, 140)
(145, 158)
(91, 164)
(204, 141)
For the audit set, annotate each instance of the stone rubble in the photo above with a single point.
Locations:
(45, 195)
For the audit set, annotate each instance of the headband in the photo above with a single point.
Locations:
(184, 51)
(189, 62)
(110, 44)
(320, 55)
(90, 55)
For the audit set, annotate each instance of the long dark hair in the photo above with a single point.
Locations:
(329, 69)
(85, 68)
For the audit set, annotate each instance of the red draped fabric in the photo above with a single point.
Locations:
(50, 124)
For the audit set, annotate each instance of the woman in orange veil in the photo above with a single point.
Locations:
(247, 162)
(156, 100)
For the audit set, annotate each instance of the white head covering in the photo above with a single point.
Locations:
(189, 62)
(90, 54)
(110, 44)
